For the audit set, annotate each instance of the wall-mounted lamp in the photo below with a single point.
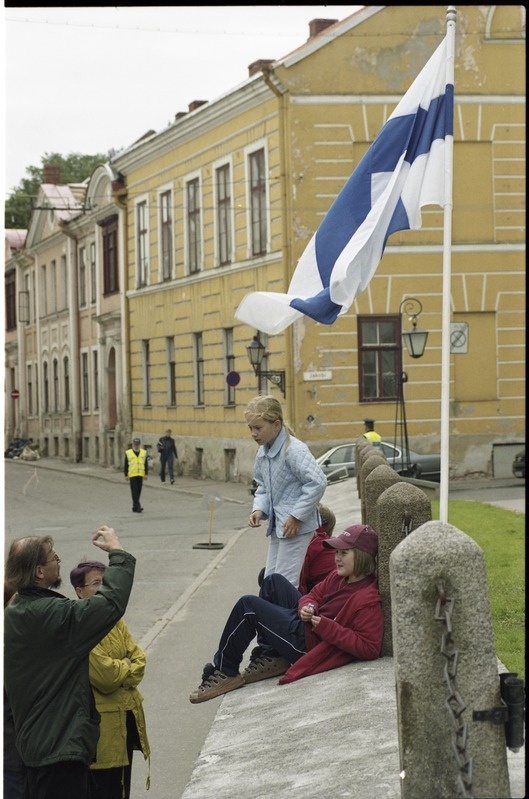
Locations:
(414, 339)
(256, 353)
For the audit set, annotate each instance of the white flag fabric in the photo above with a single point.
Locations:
(403, 170)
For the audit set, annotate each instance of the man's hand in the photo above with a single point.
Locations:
(255, 518)
(105, 538)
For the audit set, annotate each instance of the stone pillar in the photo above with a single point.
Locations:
(399, 510)
(362, 447)
(370, 462)
(446, 668)
(376, 482)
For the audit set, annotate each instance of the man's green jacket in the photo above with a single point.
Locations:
(47, 641)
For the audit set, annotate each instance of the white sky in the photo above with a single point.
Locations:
(87, 80)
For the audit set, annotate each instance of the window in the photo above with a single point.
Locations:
(85, 382)
(229, 360)
(64, 283)
(11, 308)
(223, 214)
(55, 385)
(146, 351)
(53, 286)
(258, 221)
(199, 369)
(46, 387)
(166, 234)
(82, 277)
(142, 243)
(171, 371)
(27, 287)
(95, 375)
(43, 292)
(66, 376)
(110, 256)
(193, 226)
(30, 389)
(92, 272)
(380, 354)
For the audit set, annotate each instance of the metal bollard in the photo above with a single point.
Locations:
(513, 694)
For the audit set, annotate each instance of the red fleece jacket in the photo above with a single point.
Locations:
(351, 626)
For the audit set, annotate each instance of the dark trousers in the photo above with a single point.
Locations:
(166, 460)
(64, 780)
(114, 783)
(14, 784)
(272, 616)
(136, 484)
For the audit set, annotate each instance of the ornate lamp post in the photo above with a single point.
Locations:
(256, 352)
(415, 341)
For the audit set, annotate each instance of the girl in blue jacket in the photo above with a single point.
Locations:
(290, 485)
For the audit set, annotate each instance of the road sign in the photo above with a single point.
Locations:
(15, 393)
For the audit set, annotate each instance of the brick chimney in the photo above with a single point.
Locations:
(257, 66)
(318, 25)
(52, 174)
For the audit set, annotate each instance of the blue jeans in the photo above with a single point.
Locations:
(272, 616)
(166, 460)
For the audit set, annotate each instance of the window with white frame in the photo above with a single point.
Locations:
(110, 255)
(55, 365)
(146, 367)
(66, 379)
(171, 371)
(46, 387)
(258, 201)
(193, 226)
(53, 287)
(82, 277)
(95, 378)
(166, 234)
(64, 283)
(29, 389)
(380, 357)
(199, 368)
(85, 382)
(93, 280)
(142, 243)
(43, 292)
(223, 214)
(229, 361)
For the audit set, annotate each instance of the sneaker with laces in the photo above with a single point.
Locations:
(214, 683)
(263, 667)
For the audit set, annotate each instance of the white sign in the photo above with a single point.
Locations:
(458, 337)
(317, 375)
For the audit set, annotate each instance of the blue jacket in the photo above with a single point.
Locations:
(289, 483)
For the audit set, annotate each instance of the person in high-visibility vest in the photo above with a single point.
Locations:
(369, 426)
(136, 469)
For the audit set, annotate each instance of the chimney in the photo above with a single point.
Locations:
(196, 104)
(179, 115)
(52, 174)
(259, 66)
(318, 25)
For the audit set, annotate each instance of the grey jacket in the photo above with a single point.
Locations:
(289, 482)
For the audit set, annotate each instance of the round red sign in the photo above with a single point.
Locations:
(15, 393)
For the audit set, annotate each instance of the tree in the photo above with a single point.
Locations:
(74, 167)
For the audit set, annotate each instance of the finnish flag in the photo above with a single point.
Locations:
(403, 170)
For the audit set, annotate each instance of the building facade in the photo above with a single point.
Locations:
(224, 201)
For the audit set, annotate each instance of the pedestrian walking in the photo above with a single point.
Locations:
(340, 620)
(136, 469)
(167, 448)
(48, 639)
(290, 484)
(117, 666)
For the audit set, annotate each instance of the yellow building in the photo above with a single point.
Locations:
(224, 201)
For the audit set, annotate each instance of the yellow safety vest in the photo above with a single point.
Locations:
(373, 437)
(136, 462)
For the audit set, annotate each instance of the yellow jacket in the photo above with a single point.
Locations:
(136, 463)
(115, 683)
(373, 437)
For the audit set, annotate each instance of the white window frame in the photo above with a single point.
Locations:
(142, 269)
(262, 144)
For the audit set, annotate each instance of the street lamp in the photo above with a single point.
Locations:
(415, 341)
(256, 352)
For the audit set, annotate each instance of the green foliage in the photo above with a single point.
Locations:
(74, 167)
(501, 535)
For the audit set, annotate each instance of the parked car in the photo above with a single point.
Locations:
(339, 462)
(518, 464)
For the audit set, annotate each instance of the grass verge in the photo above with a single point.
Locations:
(501, 535)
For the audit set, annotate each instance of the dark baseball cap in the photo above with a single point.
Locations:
(136, 440)
(359, 536)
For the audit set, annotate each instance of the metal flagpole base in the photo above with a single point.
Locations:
(207, 545)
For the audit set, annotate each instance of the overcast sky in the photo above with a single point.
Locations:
(88, 80)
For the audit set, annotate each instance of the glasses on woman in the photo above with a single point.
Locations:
(93, 584)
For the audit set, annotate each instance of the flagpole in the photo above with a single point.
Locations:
(446, 296)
